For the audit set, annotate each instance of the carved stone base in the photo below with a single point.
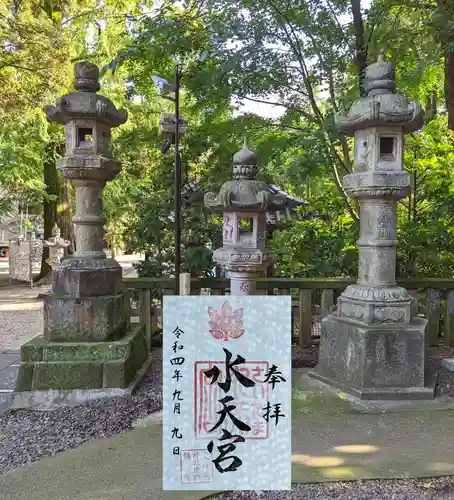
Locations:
(378, 361)
(374, 293)
(393, 306)
(89, 319)
(87, 278)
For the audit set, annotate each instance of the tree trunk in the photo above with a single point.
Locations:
(49, 205)
(446, 38)
(449, 85)
(361, 50)
(64, 213)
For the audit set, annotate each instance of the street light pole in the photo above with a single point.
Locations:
(177, 183)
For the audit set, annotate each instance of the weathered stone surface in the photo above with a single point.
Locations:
(381, 107)
(88, 162)
(86, 349)
(370, 356)
(89, 365)
(244, 201)
(24, 379)
(86, 103)
(33, 350)
(105, 279)
(137, 356)
(84, 319)
(120, 374)
(57, 246)
(114, 374)
(371, 346)
(245, 192)
(67, 375)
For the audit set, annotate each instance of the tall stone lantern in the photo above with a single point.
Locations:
(371, 346)
(87, 343)
(244, 202)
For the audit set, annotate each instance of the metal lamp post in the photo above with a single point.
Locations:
(174, 131)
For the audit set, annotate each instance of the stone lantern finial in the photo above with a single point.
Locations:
(380, 77)
(245, 163)
(86, 77)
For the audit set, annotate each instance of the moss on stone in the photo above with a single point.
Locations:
(33, 350)
(138, 355)
(96, 351)
(25, 377)
(114, 374)
(67, 375)
(82, 365)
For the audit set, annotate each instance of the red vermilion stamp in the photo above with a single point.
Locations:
(227, 323)
(196, 466)
(249, 401)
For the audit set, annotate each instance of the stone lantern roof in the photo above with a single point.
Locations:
(245, 192)
(85, 103)
(381, 107)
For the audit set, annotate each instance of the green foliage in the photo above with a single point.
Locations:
(199, 260)
(426, 218)
(299, 56)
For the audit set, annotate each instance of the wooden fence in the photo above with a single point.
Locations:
(312, 299)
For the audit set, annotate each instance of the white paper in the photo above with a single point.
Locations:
(198, 329)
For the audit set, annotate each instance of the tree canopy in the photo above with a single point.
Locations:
(304, 58)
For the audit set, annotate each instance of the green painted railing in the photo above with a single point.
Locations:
(312, 300)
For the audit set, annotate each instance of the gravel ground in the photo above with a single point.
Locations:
(17, 326)
(25, 436)
(21, 314)
(421, 489)
(304, 358)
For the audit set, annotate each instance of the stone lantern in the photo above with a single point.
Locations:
(87, 345)
(56, 245)
(244, 202)
(167, 126)
(371, 346)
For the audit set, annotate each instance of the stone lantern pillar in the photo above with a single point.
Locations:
(244, 202)
(87, 345)
(371, 346)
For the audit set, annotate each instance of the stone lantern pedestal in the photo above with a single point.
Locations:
(88, 349)
(244, 202)
(372, 346)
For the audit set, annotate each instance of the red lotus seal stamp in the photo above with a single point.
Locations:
(227, 323)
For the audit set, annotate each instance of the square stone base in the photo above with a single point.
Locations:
(87, 277)
(89, 319)
(48, 365)
(380, 361)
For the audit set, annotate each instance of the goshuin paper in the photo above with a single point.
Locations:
(227, 393)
